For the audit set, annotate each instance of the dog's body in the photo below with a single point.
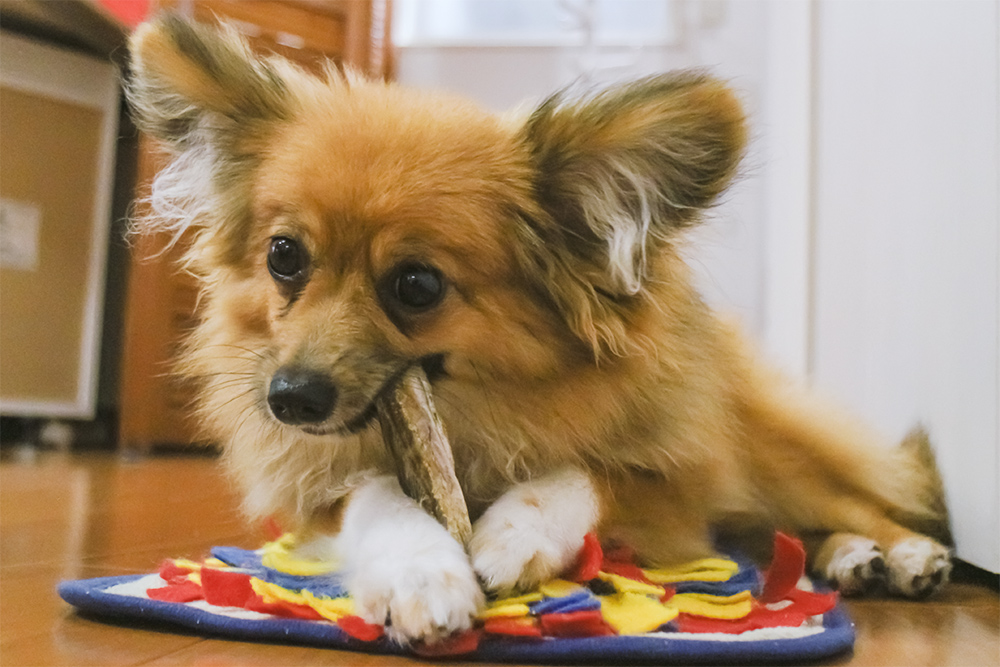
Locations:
(345, 230)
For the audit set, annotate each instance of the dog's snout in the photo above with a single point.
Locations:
(301, 396)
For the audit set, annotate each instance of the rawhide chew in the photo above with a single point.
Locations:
(414, 435)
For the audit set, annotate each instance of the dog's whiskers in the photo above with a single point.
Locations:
(260, 355)
(249, 392)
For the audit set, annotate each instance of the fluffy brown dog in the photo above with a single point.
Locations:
(344, 230)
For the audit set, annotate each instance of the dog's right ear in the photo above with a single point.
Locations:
(187, 77)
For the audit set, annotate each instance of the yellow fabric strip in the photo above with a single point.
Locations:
(332, 609)
(274, 593)
(706, 569)
(329, 608)
(185, 564)
(626, 585)
(289, 565)
(710, 564)
(507, 610)
(527, 598)
(278, 555)
(661, 578)
(688, 604)
(665, 577)
(720, 599)
(635, 614)
(559, 588)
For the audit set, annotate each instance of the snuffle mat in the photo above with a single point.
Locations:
(605, 609)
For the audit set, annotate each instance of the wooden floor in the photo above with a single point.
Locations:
(64, 517)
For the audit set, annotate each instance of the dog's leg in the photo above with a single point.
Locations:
(867, 544)
(864, 544)
(403, 568)
(534, 530)
(822, 472)
(879, 549)
(917, 565)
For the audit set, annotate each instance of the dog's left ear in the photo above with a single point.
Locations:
(622, 170)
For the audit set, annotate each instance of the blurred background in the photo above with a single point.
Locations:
(861, 245)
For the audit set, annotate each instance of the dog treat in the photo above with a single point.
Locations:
(415, 437)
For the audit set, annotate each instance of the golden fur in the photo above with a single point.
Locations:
(569, 332)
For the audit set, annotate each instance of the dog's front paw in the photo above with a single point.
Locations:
(418, 596)
(918, 566)
(509, 557)
(534, 531)
(403, 569)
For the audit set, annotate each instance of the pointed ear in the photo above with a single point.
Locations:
(213, 104)
(186, 75)
(620, 170)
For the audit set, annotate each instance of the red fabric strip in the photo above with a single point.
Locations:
(360, 629)
(787, 566)
(186, 591)
(224, 588)
(576, 624)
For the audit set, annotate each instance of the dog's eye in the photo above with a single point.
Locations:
(286, 259)
(418, 287)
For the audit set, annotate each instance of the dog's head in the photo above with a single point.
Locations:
(346, 229)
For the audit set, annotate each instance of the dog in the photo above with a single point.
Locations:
(345, 230)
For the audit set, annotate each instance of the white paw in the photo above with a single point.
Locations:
(534, 531)
(509, 557)
(403, 569)
(917, 567)
(418, 597)
(856, 566)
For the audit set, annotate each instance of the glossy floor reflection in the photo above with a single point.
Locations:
(70, 517)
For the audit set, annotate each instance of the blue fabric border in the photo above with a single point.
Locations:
(90, 596)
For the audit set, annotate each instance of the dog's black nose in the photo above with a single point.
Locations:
(300, 396)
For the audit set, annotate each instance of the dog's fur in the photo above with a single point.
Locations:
(582, 381)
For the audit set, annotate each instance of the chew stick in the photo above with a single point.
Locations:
(414, 435)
